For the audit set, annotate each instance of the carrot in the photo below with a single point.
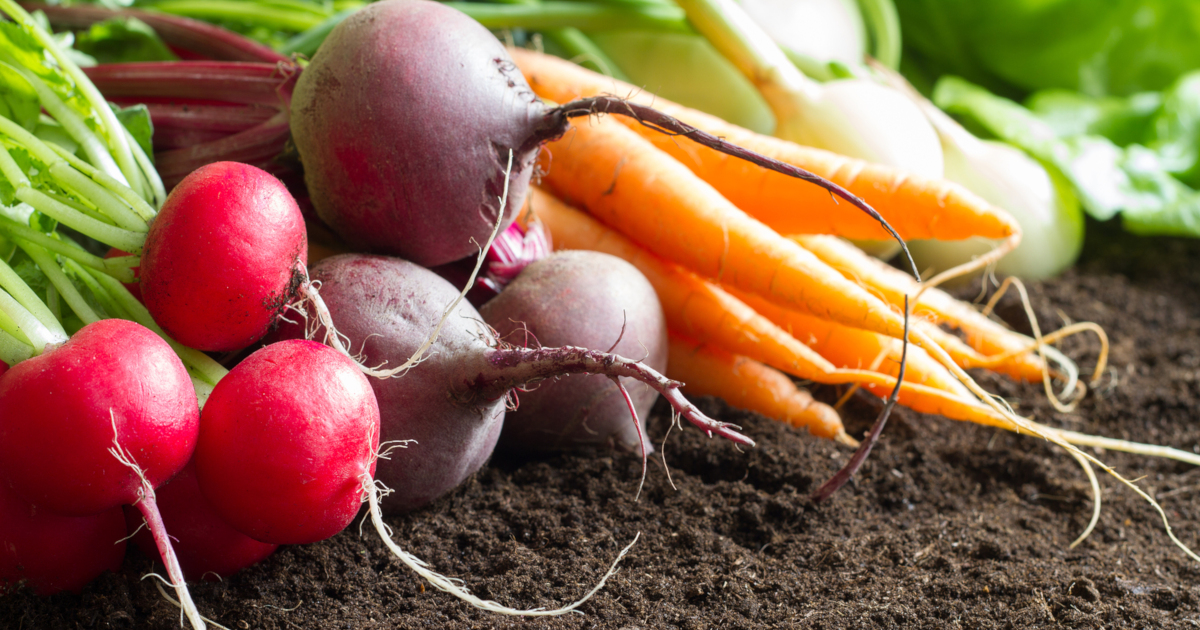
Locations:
(918, 208)
(623, 180)
(986, 336)
(742, 382)
(703, 311)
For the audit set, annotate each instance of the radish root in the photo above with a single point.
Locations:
(149, 508)
(373, 490)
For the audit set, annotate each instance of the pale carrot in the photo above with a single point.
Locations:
(984, 335)
(745, 383)
(918, 208)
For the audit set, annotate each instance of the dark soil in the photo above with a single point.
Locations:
(949, 525)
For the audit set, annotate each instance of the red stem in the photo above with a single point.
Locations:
(262, 142)
(148, 506)
(191, 35)
(233, 82)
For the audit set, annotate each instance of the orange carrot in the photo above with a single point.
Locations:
(983, 334)
(742, 382)
(700, 310)
(620, 178)
(918, 208)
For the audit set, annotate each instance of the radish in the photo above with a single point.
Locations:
(50, 553)
(288, 448)
(100, 422)
(207, 547)
(587, 299)
(451, 404)
(287, 439)
(224, 257)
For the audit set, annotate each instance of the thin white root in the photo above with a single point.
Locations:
(1136, 448)
(637, 425)
(455, 587)
(162, 591)
(1056, 436)
(1096, 494)
(419, 356)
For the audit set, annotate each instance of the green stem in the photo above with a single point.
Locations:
(577, 46)
(117, 267)
(583, 16)
(126, 194)
(127, 240)
(13, 350)
(203, 365)
(307, 42)
(60, 281)
(34, 330)
(736, 36)
(76, 204)
(27, 298)
(9, 326)
(106, 202)
(290, 19)
(53, 303)
(883, 22)
(29, 142)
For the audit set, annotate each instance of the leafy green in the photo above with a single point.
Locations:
(1107, 47)
(19, 49)
(136, 119)
(18, 100)
(123, 40)
(1121, 155)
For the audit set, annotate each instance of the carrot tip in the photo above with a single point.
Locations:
(844, 438)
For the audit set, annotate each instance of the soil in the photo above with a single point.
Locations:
(948, 525)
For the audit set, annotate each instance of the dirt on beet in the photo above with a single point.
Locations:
(948, 525)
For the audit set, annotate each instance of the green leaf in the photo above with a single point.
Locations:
(1108, 47)
(123, 40)
(18, 100)
(1108, 178)
(19, 48)
(136, 118)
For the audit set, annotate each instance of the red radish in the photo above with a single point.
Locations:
(62, 408)
(207, 547)
(588, 299)
(51, 553)
(452, 404)
(287, 439)
(97, 423)
(224, 257)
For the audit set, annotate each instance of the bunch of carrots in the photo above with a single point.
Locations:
(758, 286)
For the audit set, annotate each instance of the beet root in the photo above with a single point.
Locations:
(404, 121)
(591, 300)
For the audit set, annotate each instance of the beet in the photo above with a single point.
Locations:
(453, 402)
(588, 299)
(404, 120)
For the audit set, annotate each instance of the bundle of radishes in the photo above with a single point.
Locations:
(418, 139)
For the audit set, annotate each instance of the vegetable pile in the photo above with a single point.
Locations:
(289, 355)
